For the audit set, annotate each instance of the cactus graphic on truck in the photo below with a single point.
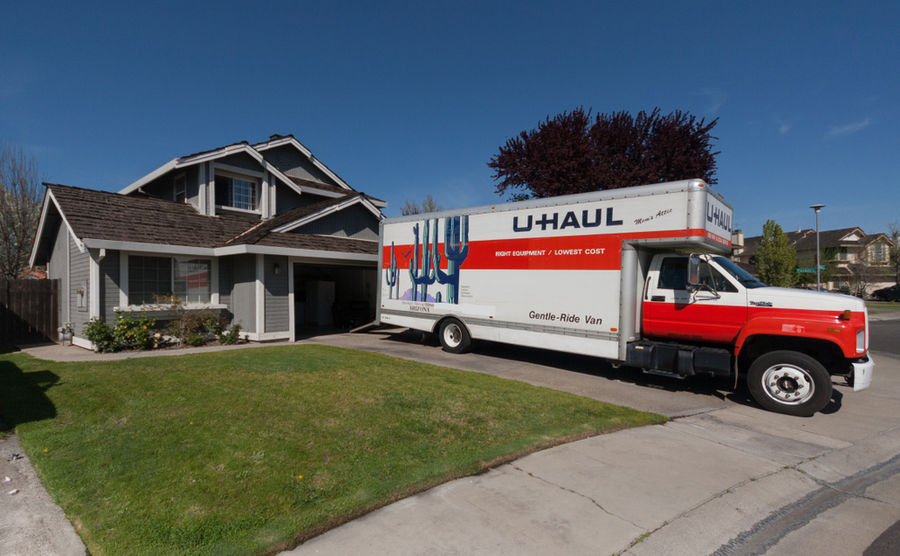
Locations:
(426, 260)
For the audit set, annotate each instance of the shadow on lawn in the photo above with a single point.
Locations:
(22, 397)
(717, 387)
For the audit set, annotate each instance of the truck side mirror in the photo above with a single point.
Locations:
(693, 271)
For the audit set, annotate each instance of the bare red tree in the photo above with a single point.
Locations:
(20, 208)
(572, 153)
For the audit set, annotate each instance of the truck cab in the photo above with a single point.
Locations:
(789, 342)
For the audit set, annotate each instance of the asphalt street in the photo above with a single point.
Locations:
(884, 336)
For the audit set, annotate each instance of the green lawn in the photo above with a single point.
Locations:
(876, 307)
(250, 451)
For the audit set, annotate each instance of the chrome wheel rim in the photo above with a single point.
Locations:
(788, 384)
(452, 335)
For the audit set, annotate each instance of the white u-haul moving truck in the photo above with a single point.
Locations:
(639, 276)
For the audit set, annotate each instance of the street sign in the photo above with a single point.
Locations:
(810, 270)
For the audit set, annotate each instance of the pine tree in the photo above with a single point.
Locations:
(776, 258)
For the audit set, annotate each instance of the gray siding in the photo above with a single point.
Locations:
(80, 274)
(244, 291)
(241, 160)
(226, 282)
(109, 286)
(58, 267)
(355, 221)
(193, 188)
(277, 315)
(164, 186)
(290, 161)
(287, 199)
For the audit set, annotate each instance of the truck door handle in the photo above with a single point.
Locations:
(658, 298)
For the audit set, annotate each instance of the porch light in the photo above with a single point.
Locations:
(277, 269)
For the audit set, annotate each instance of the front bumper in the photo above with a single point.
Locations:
(862, 373)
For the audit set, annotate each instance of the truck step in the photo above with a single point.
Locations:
(677, 359)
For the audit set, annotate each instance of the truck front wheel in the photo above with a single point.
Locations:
(454, 337)
(789, 382)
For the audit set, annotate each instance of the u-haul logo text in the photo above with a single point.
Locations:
(718, 216)
(570, 220)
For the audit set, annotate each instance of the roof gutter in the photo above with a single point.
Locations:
(162, 170)
(243, 249)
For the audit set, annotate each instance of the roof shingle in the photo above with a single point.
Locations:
(108, 216)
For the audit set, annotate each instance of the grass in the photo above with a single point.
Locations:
(252, 451)
(880, 306)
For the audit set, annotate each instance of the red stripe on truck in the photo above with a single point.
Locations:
(584, 252)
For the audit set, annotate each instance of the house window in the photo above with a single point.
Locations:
(237, 192)
(880, 253)
(152, 277)
(180, 187)
(192, 280)
(148, 277)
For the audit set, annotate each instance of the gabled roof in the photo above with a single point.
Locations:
(255, 151)
(100, 219)
(143, 219)
(279, 140)
(207, 156)
(805, 240)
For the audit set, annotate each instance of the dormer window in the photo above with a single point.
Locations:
(180, 189)
(237, 192)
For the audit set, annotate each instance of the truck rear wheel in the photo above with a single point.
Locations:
(789, 382)
(454, 337)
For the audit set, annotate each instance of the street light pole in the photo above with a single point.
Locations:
(817, 208)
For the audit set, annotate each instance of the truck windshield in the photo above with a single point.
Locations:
(742, 275)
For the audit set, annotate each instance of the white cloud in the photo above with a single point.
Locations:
(851, 128)
(783, 127)
(717, 98)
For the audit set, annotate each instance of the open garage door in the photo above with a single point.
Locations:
(328, 297)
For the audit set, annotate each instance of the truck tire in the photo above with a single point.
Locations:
(789, 382)
(454, 337)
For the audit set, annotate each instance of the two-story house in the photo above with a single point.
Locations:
(265, 234)
(856, 262)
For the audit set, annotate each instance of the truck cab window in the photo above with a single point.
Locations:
(714, 279)
(673, 276)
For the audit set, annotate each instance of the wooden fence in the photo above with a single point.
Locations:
(28, 311)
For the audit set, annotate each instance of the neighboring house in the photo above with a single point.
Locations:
(265, 234)
(859, 263)
(33, 274)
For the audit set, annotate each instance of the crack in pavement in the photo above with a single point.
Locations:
(591, 500)
(771, 530)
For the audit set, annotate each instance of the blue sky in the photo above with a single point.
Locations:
(402, 99)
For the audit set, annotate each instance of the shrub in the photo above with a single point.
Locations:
(134, 332)
(102, 336)
(129, 332)
(229, 337)
(190, 326)
(195, 340)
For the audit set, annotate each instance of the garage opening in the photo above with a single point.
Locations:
(332, 298)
